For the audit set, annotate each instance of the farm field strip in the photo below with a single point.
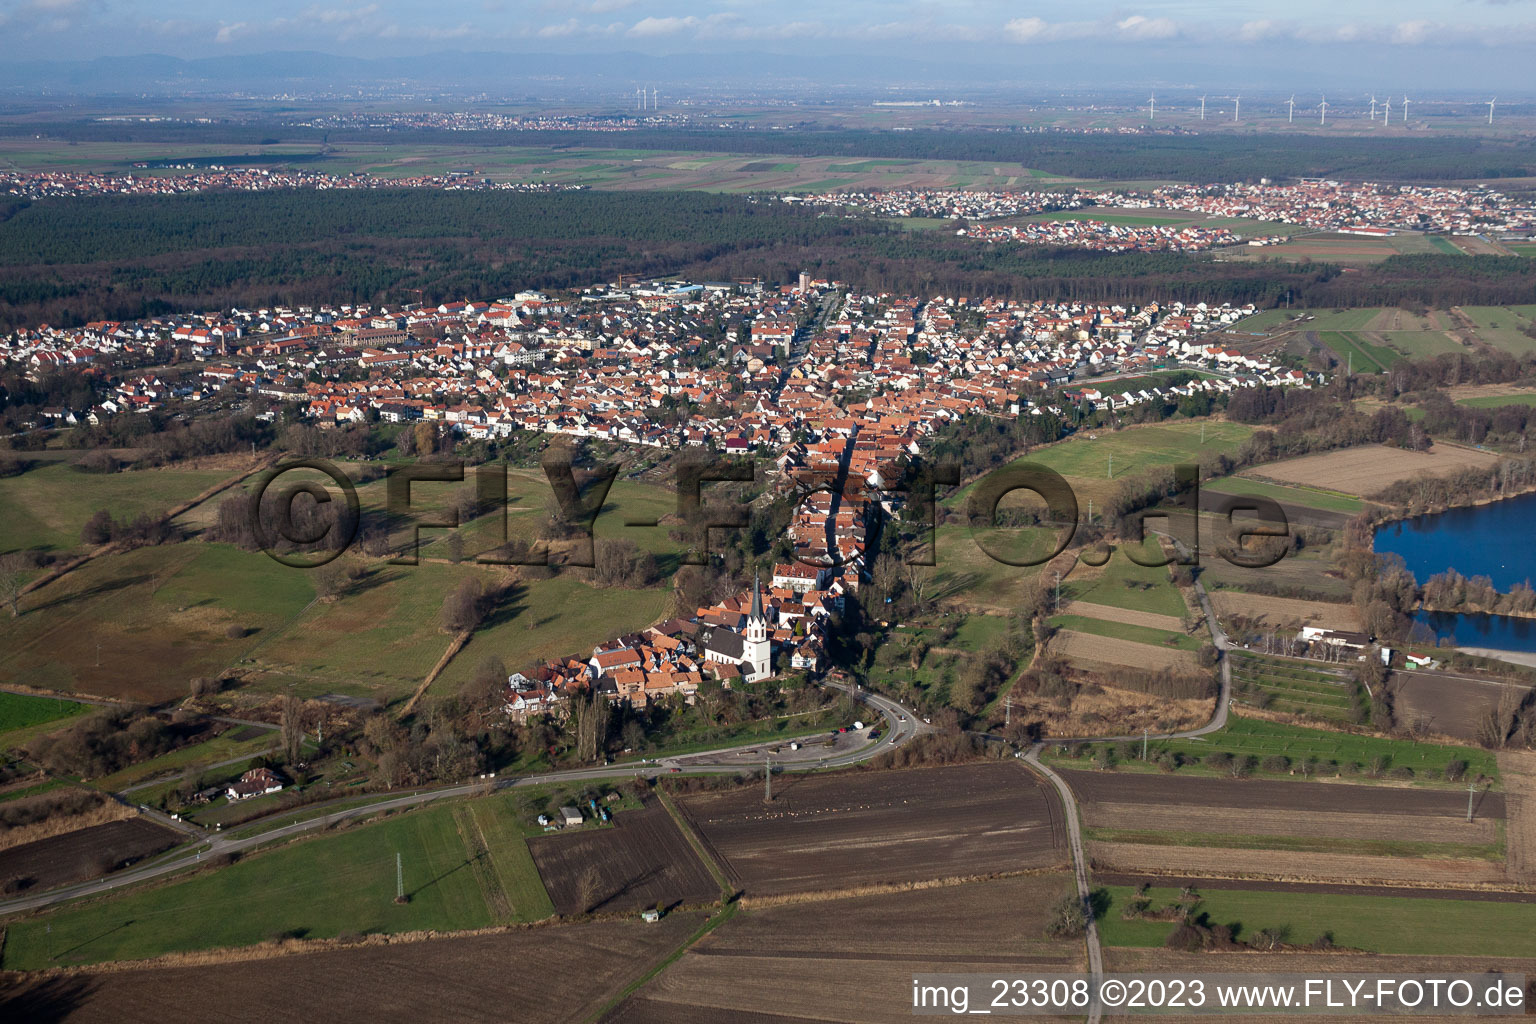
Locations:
(831, 832)
(1370, 468)
(1404, 849)
(1237, 818)
(1129, 616)
(466, 978)
(1379, 924)
(1202, 858)
(1309, 497)
(1115, 630)
(1282, 610)
(1087, 647)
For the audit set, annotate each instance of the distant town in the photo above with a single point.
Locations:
(1365, 208)
(827, 384)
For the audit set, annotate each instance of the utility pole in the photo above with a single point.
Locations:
(1058, 590)
(767, 781)
(1471, 789)
(1143, 743)
(399, 879)
(1008, 711)
(1111, 474)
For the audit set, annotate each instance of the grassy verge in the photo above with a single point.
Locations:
(22, 712)
(316, 888)
(1337, 754)
(1379, 924)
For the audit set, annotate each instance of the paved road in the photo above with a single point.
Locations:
(900, 726)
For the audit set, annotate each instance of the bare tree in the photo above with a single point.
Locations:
(12, 569)
(292, 728)
(589, 889)
(919, 578)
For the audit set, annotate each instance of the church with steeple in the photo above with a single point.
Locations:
(751, 649)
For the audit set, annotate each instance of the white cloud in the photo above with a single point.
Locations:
(1138, 26)
(647, 28)
(1022, 30)
(1257, 31)
(229, 32)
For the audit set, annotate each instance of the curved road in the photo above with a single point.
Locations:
(900, 726)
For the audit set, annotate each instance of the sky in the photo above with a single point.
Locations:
(1488, 39)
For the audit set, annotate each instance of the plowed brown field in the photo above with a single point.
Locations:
(867, 828)
(853, 959)
(643, 859)
(512, 976)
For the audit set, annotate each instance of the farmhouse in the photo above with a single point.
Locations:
(256, 782)
(1346, 639)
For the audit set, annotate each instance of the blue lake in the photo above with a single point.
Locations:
(1485, 540)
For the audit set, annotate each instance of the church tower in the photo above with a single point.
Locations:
(757, 650)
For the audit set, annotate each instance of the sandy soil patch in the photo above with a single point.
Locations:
(1321, 824)
(1369, 468)
(1282, 611)
(1152, 620)
(1083, 648)
(1275, 864)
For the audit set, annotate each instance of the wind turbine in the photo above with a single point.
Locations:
(1152, 107)
(1290, 115)
(1387, 118)
(1202, 108)
(1323, 106)
(1237, 104)
(1373, 106)
(1406, 101)
(653, 98)
(1490, 109)
(640, 94)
